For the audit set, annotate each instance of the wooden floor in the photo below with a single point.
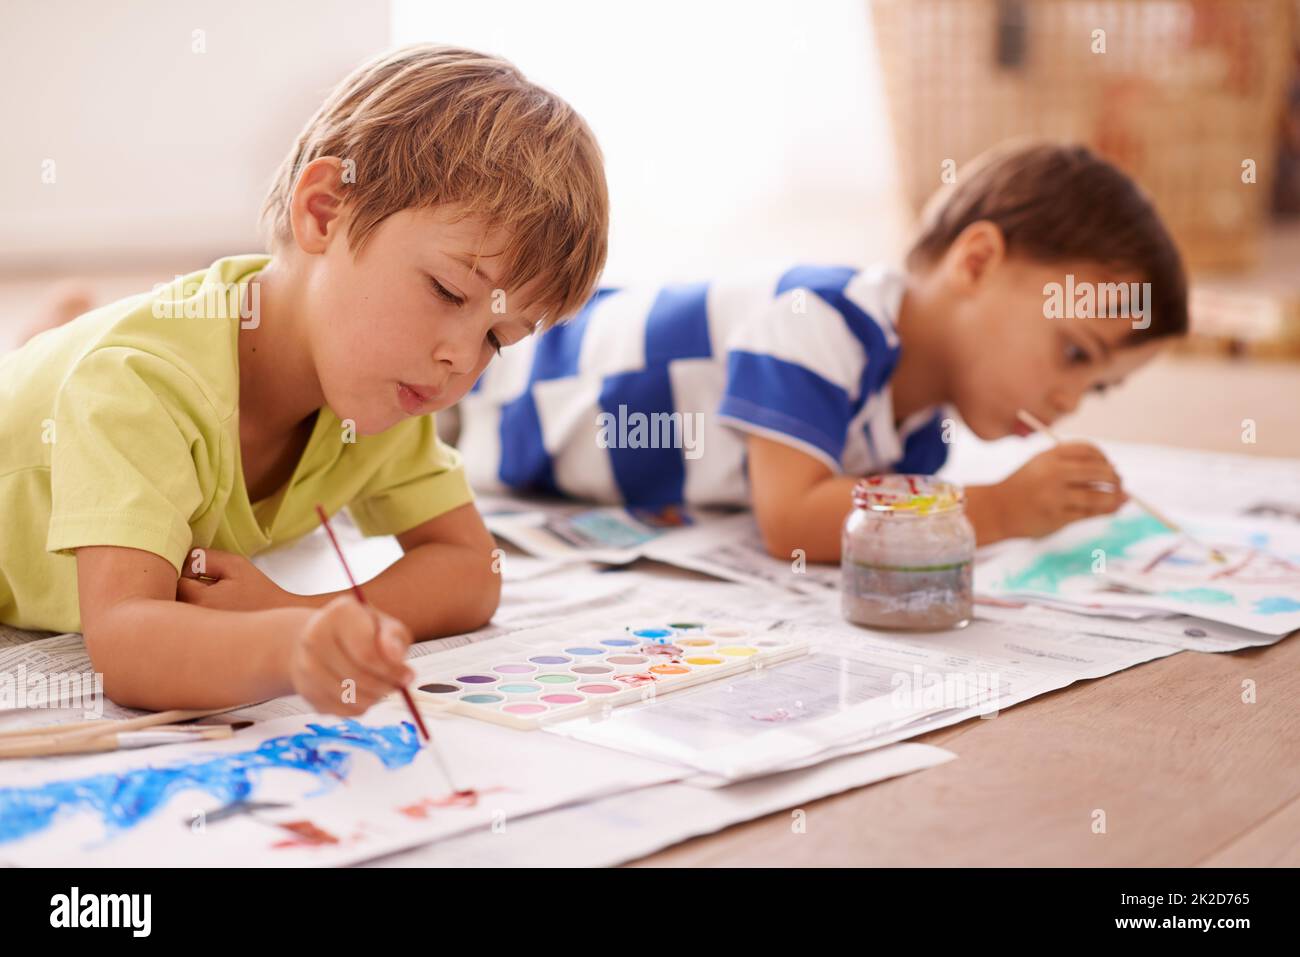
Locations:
(1184, 771)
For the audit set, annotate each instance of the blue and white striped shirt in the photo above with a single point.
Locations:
(644, 397)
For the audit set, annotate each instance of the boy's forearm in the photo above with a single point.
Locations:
(436, 590)
(160, 653)
(814, 522)
(985, 510)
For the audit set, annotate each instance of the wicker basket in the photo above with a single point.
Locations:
(1184, 93)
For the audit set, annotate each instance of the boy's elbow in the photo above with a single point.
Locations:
(777, 540)
(487, 587)
(99, 641)
(117, 685)
(489, 600)
(118, 690)
(481, 601)
(108, 646)
(799, 541)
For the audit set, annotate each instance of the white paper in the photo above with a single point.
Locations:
(730, 547)
(630, 825)
(361, 788)
(1180, 631)
(723, 544)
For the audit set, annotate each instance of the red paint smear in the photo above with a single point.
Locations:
(306, 834)
(1229, 572)
(1158, 559)
(462, 799)
(661, 650)
(636, 680)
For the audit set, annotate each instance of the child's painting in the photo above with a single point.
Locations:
(1244, 573)
(308, 790)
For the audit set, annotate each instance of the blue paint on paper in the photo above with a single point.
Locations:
(124, 800)
(1203, 596)
(1276, 605)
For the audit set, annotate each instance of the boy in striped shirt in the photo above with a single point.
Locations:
(779, 394)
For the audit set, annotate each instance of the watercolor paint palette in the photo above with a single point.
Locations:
(601, 669)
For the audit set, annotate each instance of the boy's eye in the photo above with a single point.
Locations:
(494, 342)
(1100, 388)
(1074, 355)
(446, 293)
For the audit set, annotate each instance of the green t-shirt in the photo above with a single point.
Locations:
(122, 428)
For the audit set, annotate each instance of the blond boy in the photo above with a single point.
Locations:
(437, 207)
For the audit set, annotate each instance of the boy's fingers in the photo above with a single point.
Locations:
(327, 704)
(1081, 451)
(331, 704)
(345, 614)
(357, 630)
(209, 563)
(324, 692)
(1110, 487)
(332, 661)
(1088, 501)
(365, 690)
(192, 568)
(353, 655)
(382, 670)
(331, 671)
(356, 635)
(1081, 473)
(334, 653)
(189, 590)
(369, 650)
(394, 639)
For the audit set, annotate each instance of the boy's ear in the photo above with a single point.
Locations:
(316, 205)
(976, 251)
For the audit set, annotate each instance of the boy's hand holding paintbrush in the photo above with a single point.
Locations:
(346, 657)
(1068, 482)
(349, 657)
(1033, 423)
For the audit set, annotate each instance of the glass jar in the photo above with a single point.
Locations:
(907, 552)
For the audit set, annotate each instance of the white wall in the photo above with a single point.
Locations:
(159, 151)
(736, 134)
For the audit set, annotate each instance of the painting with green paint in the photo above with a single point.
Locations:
(1132, 561)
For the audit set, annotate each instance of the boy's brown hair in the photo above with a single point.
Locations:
(1058, 203)
(430, 126)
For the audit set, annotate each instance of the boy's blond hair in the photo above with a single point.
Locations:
(429, 126)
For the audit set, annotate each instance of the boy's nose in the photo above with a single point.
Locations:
(456, 356)
(1066, 400)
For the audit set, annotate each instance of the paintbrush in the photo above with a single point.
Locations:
(48, 744)
(406, 694)
(1040, 426)
(82, 730)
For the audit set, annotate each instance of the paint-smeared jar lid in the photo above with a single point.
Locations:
(915, 494)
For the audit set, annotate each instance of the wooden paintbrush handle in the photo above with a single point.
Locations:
(41, 747)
